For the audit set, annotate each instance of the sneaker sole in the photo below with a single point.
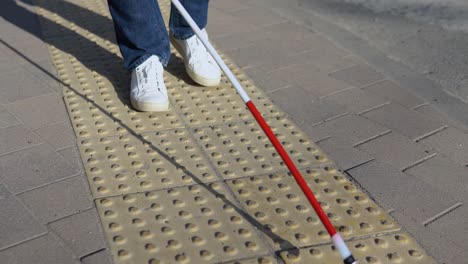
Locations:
(196, 78)
(150, 107)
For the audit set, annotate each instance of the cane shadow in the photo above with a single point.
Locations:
(112, 70)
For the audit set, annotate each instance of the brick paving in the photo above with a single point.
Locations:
(405, 154)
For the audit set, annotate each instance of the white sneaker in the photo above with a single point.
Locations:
(147, 89)
(199, 63)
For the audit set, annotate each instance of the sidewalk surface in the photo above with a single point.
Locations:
(201, 184)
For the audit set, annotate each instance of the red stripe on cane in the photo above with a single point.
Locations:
(295, 172)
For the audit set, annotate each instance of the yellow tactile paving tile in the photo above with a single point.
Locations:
(276, 201)
(200, 183)
(195, 224)
(151, 161)
(392, 248)
(242, 149)
(201, 106)
(108, 114)
(258, 260)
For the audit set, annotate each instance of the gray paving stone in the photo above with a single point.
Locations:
(42, 250)
(6, 118)
(45, 72)
(59, 135)
(310, 79)
(453, 225)
(315, 51)
(33, 49)
(444, 174)
(396, 150)
(33, 167)
(327, 60)
(81, 232)
(229, 5)
(270, 57)
(299, 109)
(279, 34)
(343, 154)
(431, 112)
(357, 75)
(40, 111)
(356, 100)
(101, 257)
(401, 192)
(72, 156)
(6, 63)
(391, 91)
(257, 16)
(19, 85)
(223, 23)
(305, 109)
(266, 81)
(17, 224)
(26, 36)
(439, 245)
(16, 137)
(59, 199)
(452, 142)
(351, 128)
(408, 122)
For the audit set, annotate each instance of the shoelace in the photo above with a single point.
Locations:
(143, 79)
(199, 52)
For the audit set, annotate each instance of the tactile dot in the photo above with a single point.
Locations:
(161, 170)
(288, 211)
(363, 250)
(244, 156)
(212, 236)
(121, 158)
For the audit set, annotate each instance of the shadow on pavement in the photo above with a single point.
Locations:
(15, 14)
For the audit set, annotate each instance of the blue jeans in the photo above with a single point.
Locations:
(140, 30)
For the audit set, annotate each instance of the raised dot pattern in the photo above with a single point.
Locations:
(242, 149)
(156, 160)
(88, 62)
(104, 114)
(192, 224)
(394, 248)
(200, 106)
(277, 202)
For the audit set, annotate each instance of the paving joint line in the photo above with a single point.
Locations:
(72, 214)
(336, 117)
(441, 214)
(25, 240)
(435, 131)
(190, 129)
(418, 162)
(373, 83)
(20, 149)
(277, 89)
(323, 139)
(92, 253)
(337, 92)
(373, 108)
(49, 183)
(341, 68)
(372, 138)
(419, 106)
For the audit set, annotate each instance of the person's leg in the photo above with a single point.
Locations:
(140, 31)
(198, 9)
(199, 64)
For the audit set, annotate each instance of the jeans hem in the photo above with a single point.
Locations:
(184, 36)
(143, 58)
